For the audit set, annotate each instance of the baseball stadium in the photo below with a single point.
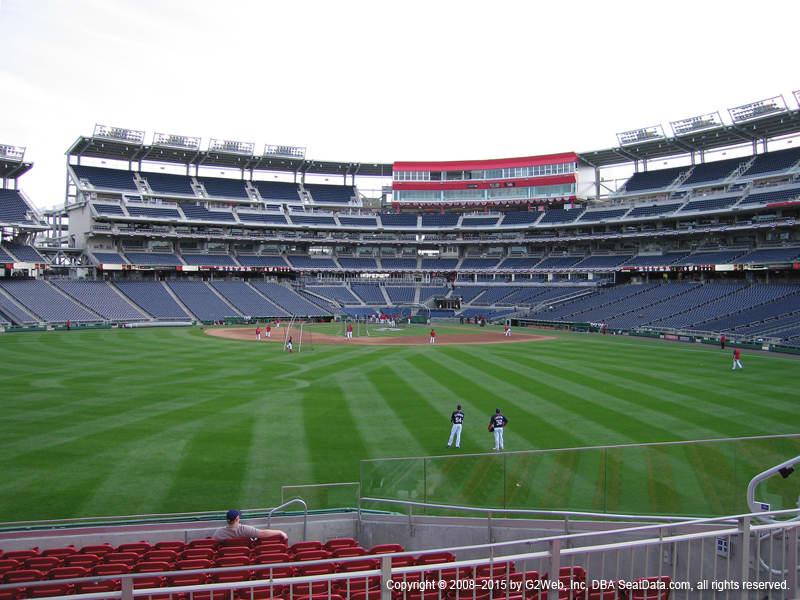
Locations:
(202, 327)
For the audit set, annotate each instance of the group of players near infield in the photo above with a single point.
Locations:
(497, 423)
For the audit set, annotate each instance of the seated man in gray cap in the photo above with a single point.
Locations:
(234, 529)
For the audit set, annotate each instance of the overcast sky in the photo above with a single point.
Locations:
(379, 81)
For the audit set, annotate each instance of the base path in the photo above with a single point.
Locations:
(477, 337)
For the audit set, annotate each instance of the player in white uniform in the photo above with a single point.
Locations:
(457, 418)
(497, 423)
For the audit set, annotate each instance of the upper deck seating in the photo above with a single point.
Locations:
(153, 212)
(195, 212)
(478, 263)
(771, 162)
(656, 260)
(312, 219)
(13, 208)
(209, 260)
(224, 188)
(479, 221)
(519, 263)
(495, 294)
(399, 220)
(714, 171)
(652, 210)
(168, 184)
(108, 209)
(39, 298)
(468, 292)
(560, 216)
(602, 215)
(771, 197)
(428, 292)
(654, 180)
(769, 255)
(439, 264)
(113, 258)
(521, 218)
(201, 300)
(358, 263)
(355, 221)
(246, 300)
(24, 253)
(405, 264)
(723, 257)
(559, 262)
(442, 220)
(339, 293)
(709, 204)
(278, 190)
(400, 294)
(287, 299)
(153, 298)
(247, 260)
(101, 298)
(251, 217)
(153, 258)
(602, 261)
(306, 262)
(109, 179)
(330, 194)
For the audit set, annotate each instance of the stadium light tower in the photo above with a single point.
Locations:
(644, 134)
(760, 108)
(120, 134)
(184, 142)
(797, 97)
(283, 151)
(698, 123)
(231, 147)
(12, 153)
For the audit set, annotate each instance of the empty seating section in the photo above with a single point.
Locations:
(709, 204)
(306, 262)
(24, 253)
(287, 299)
(303, 219)
(358, 221)
(467, 292)
(44, 301)
(153, 212)
(326, 305)
(559, 216)
(13, 208)
(653, 180)
(153, 258)
(445, 220)
(165, 183)
(652, 210)
(772, 197)
(771, 162)
(339, 293)
(278, 190)
(153, 298)
(439, 264)
(247, 300)
(521, 218)
(401, 294)
(426, 293)
(711, 303)
(601, 215)
(224, 188)
(656, 260)
(13, 313)
(5, 257)
(711, 258)
(600, 262)
(769, 255)
(358, 263)
(111, 179)
(248, 260)
(368, 292)
(519, 263)
(195, 212)
(479, 221)
(108, 209)
(398, 220)
(209, 260)
(716, 170)
(262, 217)
(478, 263)
(494, 294)
(100, 297)
(405, 264)
(330, 194)
(559, 262)
(760, 314)
(201, 300)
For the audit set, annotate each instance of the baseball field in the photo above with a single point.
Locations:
(136, 421)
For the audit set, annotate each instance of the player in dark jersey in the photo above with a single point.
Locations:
(497, 423)
(457, 418)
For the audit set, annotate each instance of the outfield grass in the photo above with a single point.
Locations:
(111, 422)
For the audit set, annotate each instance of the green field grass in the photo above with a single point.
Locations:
(112, 422)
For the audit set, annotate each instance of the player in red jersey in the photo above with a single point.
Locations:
(736, 361)
(433, 337)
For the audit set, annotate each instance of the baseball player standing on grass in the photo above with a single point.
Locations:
(289, 344)
(457, 418)
(736, 361)
(497, 423)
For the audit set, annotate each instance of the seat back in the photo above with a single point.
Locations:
(68, 572)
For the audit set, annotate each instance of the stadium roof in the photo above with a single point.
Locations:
(11, 169)
(109, 149)
(774, 125)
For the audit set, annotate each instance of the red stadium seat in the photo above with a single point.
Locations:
(494, 569)
(336, 543)
(359, 565)
(197, 553)
(98, 550)
(196, 563)
(234, 551)
(269, 558)
(276, 538)
(81, 560)
(269, 547)
(358, 584)
(318, 569)
(232, 561)
(273, 573)
(203, 543)
(386, 549)
(240, 541)
(312, 555)
(8, 564)
(175, 546)
(448, 574)
(151, 566)
(68, 573)
(366, 595)
(42, 563)
(309, 589)
(350, 551)
(51, 589)
(21, 575)
(403, 561)
(168, 556)
(305, 546)
(111, 569)
(265, 592)
(96, 587)
(59, 552)
(137, 547)
(21, 555)
(124, 558)
(433, 558)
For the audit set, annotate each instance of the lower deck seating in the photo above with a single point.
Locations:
(153, 298)
(202, 301)
(44, 301)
